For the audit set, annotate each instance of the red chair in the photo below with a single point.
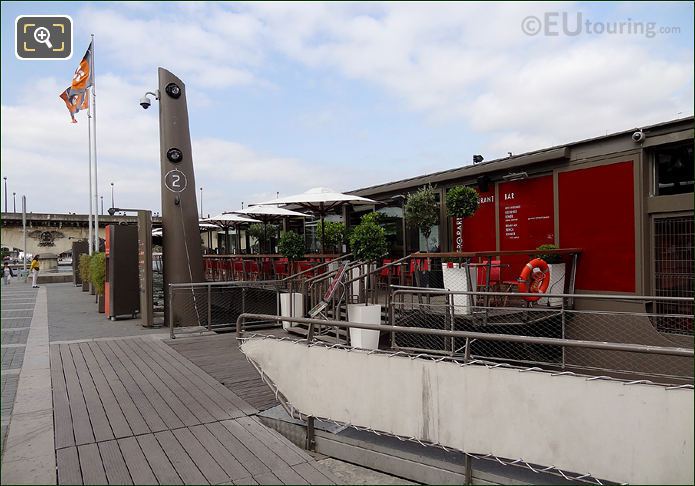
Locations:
(252, 269)
(280, 269)
(267, 269)
(304, 266)
(495, 275)
(238, 269)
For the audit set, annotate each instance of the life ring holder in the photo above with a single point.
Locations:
(534, 278)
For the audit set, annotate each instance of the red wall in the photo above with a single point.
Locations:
(478, 231)
(597, 214)
(526, 219)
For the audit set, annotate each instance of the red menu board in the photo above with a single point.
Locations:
(526, 219)
(476, 233)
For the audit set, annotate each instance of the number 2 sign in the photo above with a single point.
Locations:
(175, 181)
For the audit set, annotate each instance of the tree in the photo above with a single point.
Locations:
(332, 234)
(461, 201)
(368, 239)
(262, 232)
(422, 211)
(291, 246)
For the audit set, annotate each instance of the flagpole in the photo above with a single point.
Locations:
(96, 179)
(89, 219)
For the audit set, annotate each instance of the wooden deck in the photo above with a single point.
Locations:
(220, 357)
(134, 411)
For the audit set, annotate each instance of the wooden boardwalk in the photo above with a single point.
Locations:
(220, 357)
(134, 411)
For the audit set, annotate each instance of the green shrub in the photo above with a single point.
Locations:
(97, 271)
(422, 211)
(461, 201)
(334, 234)
(262, 232)
(368, 239)
(84, 267)
(291, 246)
(549, 257)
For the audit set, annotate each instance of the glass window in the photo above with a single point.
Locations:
(674, 170)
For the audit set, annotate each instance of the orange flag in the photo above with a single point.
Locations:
(76, 96)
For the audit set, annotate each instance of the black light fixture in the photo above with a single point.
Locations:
(478, 159)
(174, 155)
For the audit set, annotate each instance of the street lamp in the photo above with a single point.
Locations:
(5, 193)
(201, 203)
(102, 205)
(14, 202)
(112, 204)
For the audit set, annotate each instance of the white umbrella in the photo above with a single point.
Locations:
(269, 213)
(319, 200)
(227, 220)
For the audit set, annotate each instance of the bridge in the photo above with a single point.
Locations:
(53, 232)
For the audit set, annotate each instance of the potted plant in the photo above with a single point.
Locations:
(97, 274)
(556, 267)
(84, 271)
(262, 232)
(422, 212)
(332, 234)
(291, 246)
(368, 244)
(461, 202)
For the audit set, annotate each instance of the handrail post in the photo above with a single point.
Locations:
(171, 312)
(209, 308)
(310, 434)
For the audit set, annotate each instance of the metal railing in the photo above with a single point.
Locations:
(636, 324)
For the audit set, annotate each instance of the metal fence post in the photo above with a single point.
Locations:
(310, 434)
(468, 469)
(209, 307)
(171, 312)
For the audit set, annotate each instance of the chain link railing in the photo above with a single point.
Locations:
(479, 312)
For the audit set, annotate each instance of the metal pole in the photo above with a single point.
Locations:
(102, 205)
(201, 203)
(209, 308)
(89, 141)
(24, 228)
(96, 178)
(113, 205)
(5, 193)
(14, 202)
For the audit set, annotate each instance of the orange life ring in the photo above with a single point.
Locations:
(534, 278)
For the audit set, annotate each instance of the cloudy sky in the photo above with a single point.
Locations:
(288, 96)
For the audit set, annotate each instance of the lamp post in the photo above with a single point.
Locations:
(5, 193)
(14, 202)
(201, 203)
(112, 204)
(102, 205)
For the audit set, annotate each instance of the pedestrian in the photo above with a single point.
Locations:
(34, 271)
(7, 274)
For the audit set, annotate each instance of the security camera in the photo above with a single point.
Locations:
(638, 136)
(145, 102)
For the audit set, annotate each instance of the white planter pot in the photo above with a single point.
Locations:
(358, 272)
(556, 286)
(296, 301)
(365, 314)
(455, 280)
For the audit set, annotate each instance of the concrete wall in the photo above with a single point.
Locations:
(622, 433)
(13, 237)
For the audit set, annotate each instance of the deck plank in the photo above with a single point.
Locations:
(158, 461)
(267, 478)
(181, 461)
(244, 481)
(141, 418)
(68, 464)
(311, 474)
(62, 419)
(289, 476)
(198, 407)
(232, 467)
(201, 457)
(142, 393)
(91, 465)
(138, 467)
(78, 408)
(119, 424)
(237, 449)
(160, 396)
(206, 383)
(263, 453)
(285, 452)
(114, 464)
(209, 404)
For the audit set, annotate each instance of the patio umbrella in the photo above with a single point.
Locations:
(226, 221)
(319, 200)
(270, 213)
